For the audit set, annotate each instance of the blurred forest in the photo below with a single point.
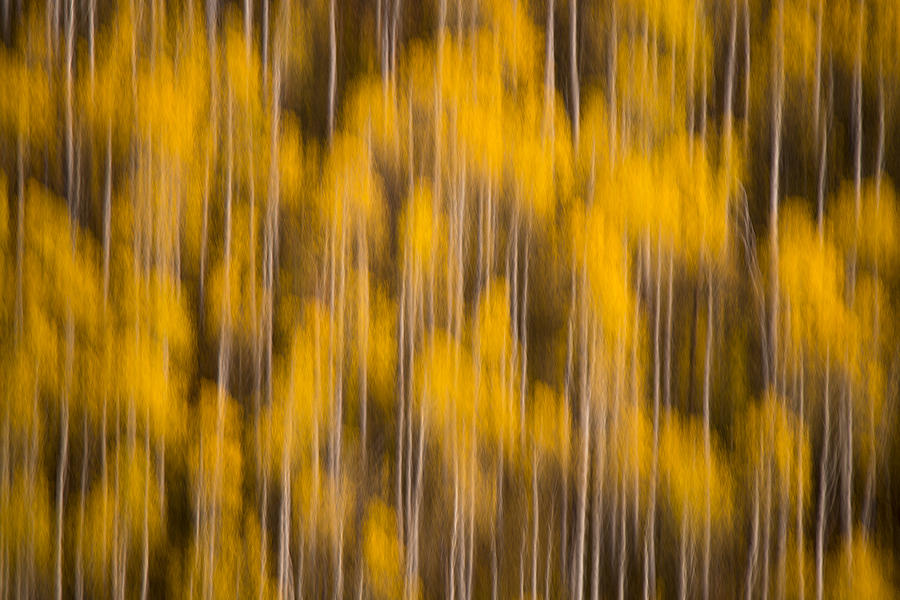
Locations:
(449, 298)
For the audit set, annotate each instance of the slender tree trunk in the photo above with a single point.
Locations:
(823, 483)
(79, 559)
(777, 100)
(650, 543)
(754, 538)
(746, 76)
(573, 62)
(63, 453)
(145, 562)
(535, 511)
(876, 325)
(706, 436)
(332, 71)
(729, 92)
(20, 238)
(800, 534)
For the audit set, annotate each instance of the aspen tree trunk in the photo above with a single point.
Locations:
(873, 463)
(363, 333)
(706, 435)
(535, 511)
(332, 71)
(79, 571)
(70, 149)
(224, 344)
(597, 512)
(848, 406)
(650, 543)
(754, 538)
(319, 395)
(746, 75)
(777, 100)
(578, 572)
(820, 214)
(451, 591)
(401, 388)
(339, 414)
(683, 550)
(567, 394)
(823, 483)
(573, 62)
(272, 241)
(613, 72)
(5, 542)
(583, 481)
(800, 496)
(623, 556)
(767, 510)
(145, 563)
(817, 88)
(64, 451)
(668, 378)
(20, 238)
(729, 89)
(284, 521)
(692, 59)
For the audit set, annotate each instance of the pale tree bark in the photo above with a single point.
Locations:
(64, 451)
(823, 482)
(876, 324)
(754, 537)
(573, 62)
(729, 90)
(332, 71)
(578, 558)
(847, 463)
(746, 75)
(777, 102)
(650, 540)
(706, 436)
(224, 360)
(800, 534)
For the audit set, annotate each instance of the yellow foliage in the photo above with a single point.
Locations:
(167, 84)
(351, 187)
(874, 233)
(444, 377)
(242, 67)
(25, 104)
(494, 341)
(548, 422)
(302, 400)
(421, 226)
(520, 42)
(138, 490)
(382, 551)
(868, 576)
(98, 528)
(215, 463)
(800, 38)
(771, 438)
(600, 248)
(382, 347)
(27, 521)
(630, 449)
(683, 473)
(60, 280)
(241, 319)
(497, 413)
(811, 276)
(291, 173)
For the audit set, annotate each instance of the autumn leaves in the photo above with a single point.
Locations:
(455, 300)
